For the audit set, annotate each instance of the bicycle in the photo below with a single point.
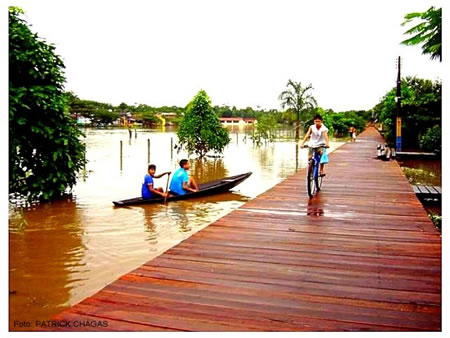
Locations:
(313, 179)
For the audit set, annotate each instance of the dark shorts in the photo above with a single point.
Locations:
(173, 193)
(311, 150)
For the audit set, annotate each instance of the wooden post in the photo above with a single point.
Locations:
(398, 98)
(171, 147)
(148, 150)
(237, 138)
(135, 133)
(121, 152)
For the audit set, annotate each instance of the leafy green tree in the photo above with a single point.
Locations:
(431, 141)
(200, 129)
(123, 107)
(45, 151)
(342, 121)
(98, 112)
(421, 109)
(428, 32)
(103, 116)
(300, 100)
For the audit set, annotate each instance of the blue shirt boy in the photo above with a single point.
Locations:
(146, 193)
(176, 185)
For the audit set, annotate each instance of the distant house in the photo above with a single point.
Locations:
(168, 115)
(83, 120)
(124, 118)
(237, 120)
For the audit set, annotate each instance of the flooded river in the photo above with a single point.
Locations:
(64, 251)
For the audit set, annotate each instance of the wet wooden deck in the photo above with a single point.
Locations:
(360, 256)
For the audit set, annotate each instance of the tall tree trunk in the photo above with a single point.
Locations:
(297, 130)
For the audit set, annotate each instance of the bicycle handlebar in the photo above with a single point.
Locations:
(318, 146)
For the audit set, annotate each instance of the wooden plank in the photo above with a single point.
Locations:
(409, 265)
(82, 322)
(423, 190)
(343, 291)
(178, 314)
(416, 189)
(237, 307)
(362, 255)
(219, 290)
(301, 273)
(433, 190)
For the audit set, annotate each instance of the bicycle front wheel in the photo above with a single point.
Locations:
(310, 180)
(318, 183)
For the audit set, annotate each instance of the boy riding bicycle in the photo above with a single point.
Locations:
(319, 136)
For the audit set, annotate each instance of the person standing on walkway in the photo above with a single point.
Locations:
(352, 133)
(319, 137)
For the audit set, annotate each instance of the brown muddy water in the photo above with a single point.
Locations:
(423, 171)
(65, 251)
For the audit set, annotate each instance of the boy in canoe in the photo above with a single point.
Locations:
(148, 190)
(181, 183)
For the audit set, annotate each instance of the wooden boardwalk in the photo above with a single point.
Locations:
(360, 256)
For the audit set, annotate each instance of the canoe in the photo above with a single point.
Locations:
(213, 187)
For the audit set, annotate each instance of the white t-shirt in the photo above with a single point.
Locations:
(317, 135)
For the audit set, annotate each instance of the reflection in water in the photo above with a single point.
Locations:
(314, 212)
(315, 207)
(178, 216)
(150, 226)
(62, 252)
(207, 169)
(45, 259)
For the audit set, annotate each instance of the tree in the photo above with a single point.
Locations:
(299, 100)
(103, 116)
(200, 129)
(428, 32)
(431, 140)
(99, 113)
(421, 109)
(123, 107)
(45, 152)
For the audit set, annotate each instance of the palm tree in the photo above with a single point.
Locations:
(426, 32)
(299, 100)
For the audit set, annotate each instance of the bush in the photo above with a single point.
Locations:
(437, 220)
(431, 141)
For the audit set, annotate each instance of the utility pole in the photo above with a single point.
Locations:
(398, 99)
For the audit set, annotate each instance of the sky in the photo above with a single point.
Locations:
(241, 52)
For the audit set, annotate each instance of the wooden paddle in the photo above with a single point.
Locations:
(167, 186)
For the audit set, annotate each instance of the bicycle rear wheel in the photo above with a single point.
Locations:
(310, 179)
